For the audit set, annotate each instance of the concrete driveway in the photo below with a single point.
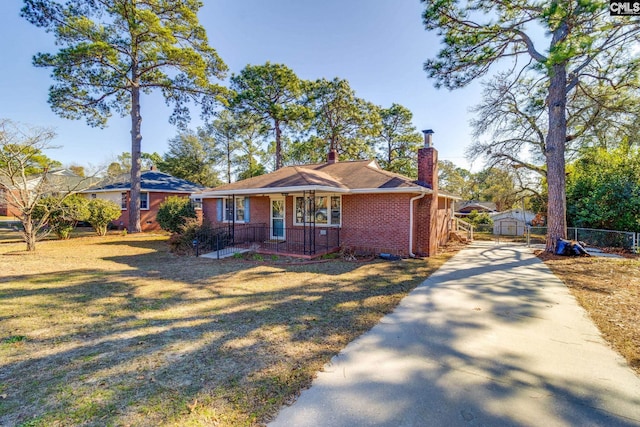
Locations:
(493, 338)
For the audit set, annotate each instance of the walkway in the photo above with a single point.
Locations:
(493, 338)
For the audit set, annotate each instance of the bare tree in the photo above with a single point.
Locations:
(27, 175)
(581, 37)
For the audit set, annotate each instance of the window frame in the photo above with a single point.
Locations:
(124, 200)
(196, 202)
(239, 200)
(330, 198)
(144, 197)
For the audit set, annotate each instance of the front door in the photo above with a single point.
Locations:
(277, 219)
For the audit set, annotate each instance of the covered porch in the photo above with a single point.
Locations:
(303, 242)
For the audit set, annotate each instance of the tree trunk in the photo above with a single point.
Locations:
(554, 153)
(29, 233)
(228, 161)
(136, 143)
(278, 145)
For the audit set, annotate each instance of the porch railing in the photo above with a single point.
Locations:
(261, 238)
(463, 226)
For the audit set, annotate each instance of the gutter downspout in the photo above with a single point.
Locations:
(413, 199)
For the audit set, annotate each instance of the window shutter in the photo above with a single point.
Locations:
(219, 208)
(246, 210)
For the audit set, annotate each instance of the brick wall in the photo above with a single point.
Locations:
(428, 167)
(6, 208)
(371, 223)
(148, 221)
(259, 210)
(376, 222)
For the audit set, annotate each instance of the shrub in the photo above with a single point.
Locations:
(209, 239)
(101, 213)
(63, 214)
(476, 218)
(181, 243)
(173, 213)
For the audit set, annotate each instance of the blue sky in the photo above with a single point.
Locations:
(379, 46)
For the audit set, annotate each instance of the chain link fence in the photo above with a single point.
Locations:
(537, 235)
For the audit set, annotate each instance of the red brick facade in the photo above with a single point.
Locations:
(371, 223)
(374, 222)
(426, 214)
(6, 208)
(148, 221)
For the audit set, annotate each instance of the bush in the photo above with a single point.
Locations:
(209, 239)
(63, 214)
(101, 213)
(476, 218)
(173, 213)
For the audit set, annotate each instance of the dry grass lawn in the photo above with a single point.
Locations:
(609, 290)
(118, 331)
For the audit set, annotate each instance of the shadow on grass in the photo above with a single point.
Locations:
(438, 359)
(182, 339)
(145, 342)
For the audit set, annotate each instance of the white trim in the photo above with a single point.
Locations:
(265, 191)
(413, 199)
(416, 189)
(148, 201)
(118, 190)
(235, 212)
(328, 224)
(219, 194)
(284, 217)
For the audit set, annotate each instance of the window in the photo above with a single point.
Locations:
(94, 196)
(237, 211)
(196, 202)
(327, 210)
(144, 201)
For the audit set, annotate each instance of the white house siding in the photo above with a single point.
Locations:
(114, 196)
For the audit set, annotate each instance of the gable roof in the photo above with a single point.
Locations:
(56, 180)
(475, 205)
(516, 214)
(362, 176)
(150, 180)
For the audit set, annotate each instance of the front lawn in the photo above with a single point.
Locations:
(118, 331)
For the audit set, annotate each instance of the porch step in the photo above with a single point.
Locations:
(224, 253)
(458, 236)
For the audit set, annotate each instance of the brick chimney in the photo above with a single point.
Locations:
(426, 217)
(332, 157)
(428, 163)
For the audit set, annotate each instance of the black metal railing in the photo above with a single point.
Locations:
(259, 237)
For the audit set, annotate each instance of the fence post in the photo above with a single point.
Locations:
(528, 236)
(196, 246)
(218, 245)
(326, 245)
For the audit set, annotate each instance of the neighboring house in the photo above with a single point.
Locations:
(6, 207)
(311, 209)
(56, 181)
(155, 187)
(513, 222)
(464, 208)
